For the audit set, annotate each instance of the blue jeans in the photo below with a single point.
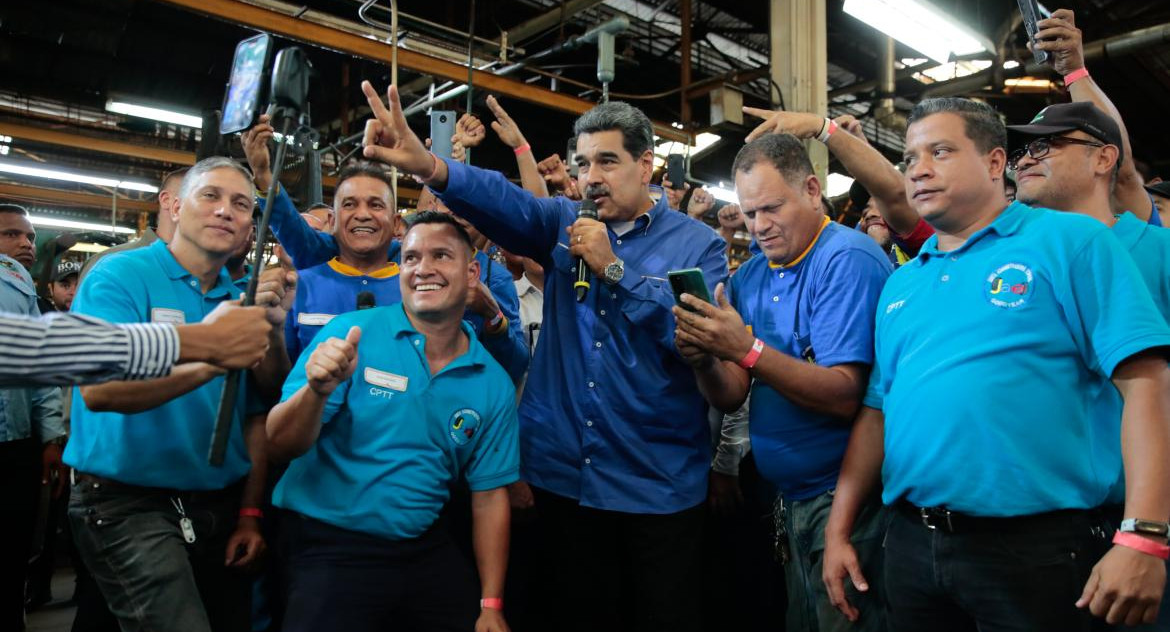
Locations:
(131, 542)
(809, 609)
(999, 575)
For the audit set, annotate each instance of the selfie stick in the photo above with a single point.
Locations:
(288, 111)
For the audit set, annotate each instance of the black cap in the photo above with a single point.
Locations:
(1161, 188)
(66, 269)
(1066, 117)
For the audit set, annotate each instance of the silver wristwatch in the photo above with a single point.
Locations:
(614, 272)
(1145, 527)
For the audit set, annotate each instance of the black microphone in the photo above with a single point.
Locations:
(366, 300)
(588, 210)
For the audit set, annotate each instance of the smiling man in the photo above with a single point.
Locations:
(159, 528)
(366, 220)
(614, 433)
(992, 347)
(378, 432)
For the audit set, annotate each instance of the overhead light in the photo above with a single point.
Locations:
(952, 70)
(54, 174)
(154, 114)
(85, 246)
(726, 195)
(839, 184)
(1010, 64)
(1027, 84)
(52, 222)
(921, 26)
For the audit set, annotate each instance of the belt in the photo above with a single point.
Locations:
(99, 482)
(943, 519)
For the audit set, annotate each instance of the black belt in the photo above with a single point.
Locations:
(98, 482)
(943, 519)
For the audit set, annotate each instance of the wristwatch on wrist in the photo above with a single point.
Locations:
(1145, 527)
(614, 272)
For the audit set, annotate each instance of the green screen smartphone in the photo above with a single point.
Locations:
(689, 281)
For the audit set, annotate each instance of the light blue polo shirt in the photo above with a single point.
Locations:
(394, 436)
(1149, 245)
(819, 309)
(166, 446)
(989, 359)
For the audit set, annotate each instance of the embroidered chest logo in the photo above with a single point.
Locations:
(1010, 286)
(463, 425)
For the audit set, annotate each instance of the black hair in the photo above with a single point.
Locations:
(365, 168)
(13, 208)
(637, 131)
(783, 151)
(982, 124)
(438, 217)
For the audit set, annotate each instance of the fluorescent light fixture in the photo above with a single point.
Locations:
(1027, 84)
(839, 184)
(921, 26)
(85, 246)
(154, 114)
(53, 222)
(1010, 64)
(952, 70)
(54, 174)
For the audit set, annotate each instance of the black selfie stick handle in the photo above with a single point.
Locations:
(231, 381)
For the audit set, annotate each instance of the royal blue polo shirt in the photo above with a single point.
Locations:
(989, 359)
(611, 415)
(165, 446)
(329, 289)
(393, 436)
(819, 309)
(309, 248)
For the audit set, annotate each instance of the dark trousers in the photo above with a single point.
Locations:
(130, 540)
(618, 571)
(1014, 574)
(356, 582)
(20, 484)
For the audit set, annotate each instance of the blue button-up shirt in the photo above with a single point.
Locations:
(611, 414)
(25, 410)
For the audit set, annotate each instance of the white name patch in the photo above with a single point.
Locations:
(314, 319)
(386, 380)
(163, 315)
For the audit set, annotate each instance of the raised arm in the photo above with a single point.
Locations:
(294, 424)
(510, 134)
(1062, 39)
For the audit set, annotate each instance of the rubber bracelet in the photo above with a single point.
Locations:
(752, 356)
(827, 130)
(1138, 543)
(1075, 76)
(251, 512)
(495, 603)
(522, 148)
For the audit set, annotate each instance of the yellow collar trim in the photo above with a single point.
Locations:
(390, 270)
(801, 256)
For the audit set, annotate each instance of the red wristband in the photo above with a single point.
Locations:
(752, 356)
(522, 148)
(251, 512)
(495, 603)
(1076, 75)
(1138, 543)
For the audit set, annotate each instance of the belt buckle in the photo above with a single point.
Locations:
(929, 514)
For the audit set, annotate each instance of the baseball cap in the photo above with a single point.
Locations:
(65, 269)
(1066, 117)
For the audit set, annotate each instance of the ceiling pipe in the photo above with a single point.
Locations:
(884, 113)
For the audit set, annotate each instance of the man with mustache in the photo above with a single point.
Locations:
(614, 434)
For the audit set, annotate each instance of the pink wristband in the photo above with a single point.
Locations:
(1075, 76)
(434, 169)
(522, 148)
(495, 603)
(1138, 543)
(752, 356)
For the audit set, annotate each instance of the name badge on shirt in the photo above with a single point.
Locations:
(164, 315)
(386, 380)
(315, 320)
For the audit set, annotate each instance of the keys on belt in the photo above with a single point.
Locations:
(937, 518)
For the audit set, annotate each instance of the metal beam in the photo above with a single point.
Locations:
(350, 43)
(72, 198)
(547, 20)
(79, 141)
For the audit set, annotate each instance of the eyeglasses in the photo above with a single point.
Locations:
(1039, 148)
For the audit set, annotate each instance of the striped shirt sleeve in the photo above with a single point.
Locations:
(64, 349)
